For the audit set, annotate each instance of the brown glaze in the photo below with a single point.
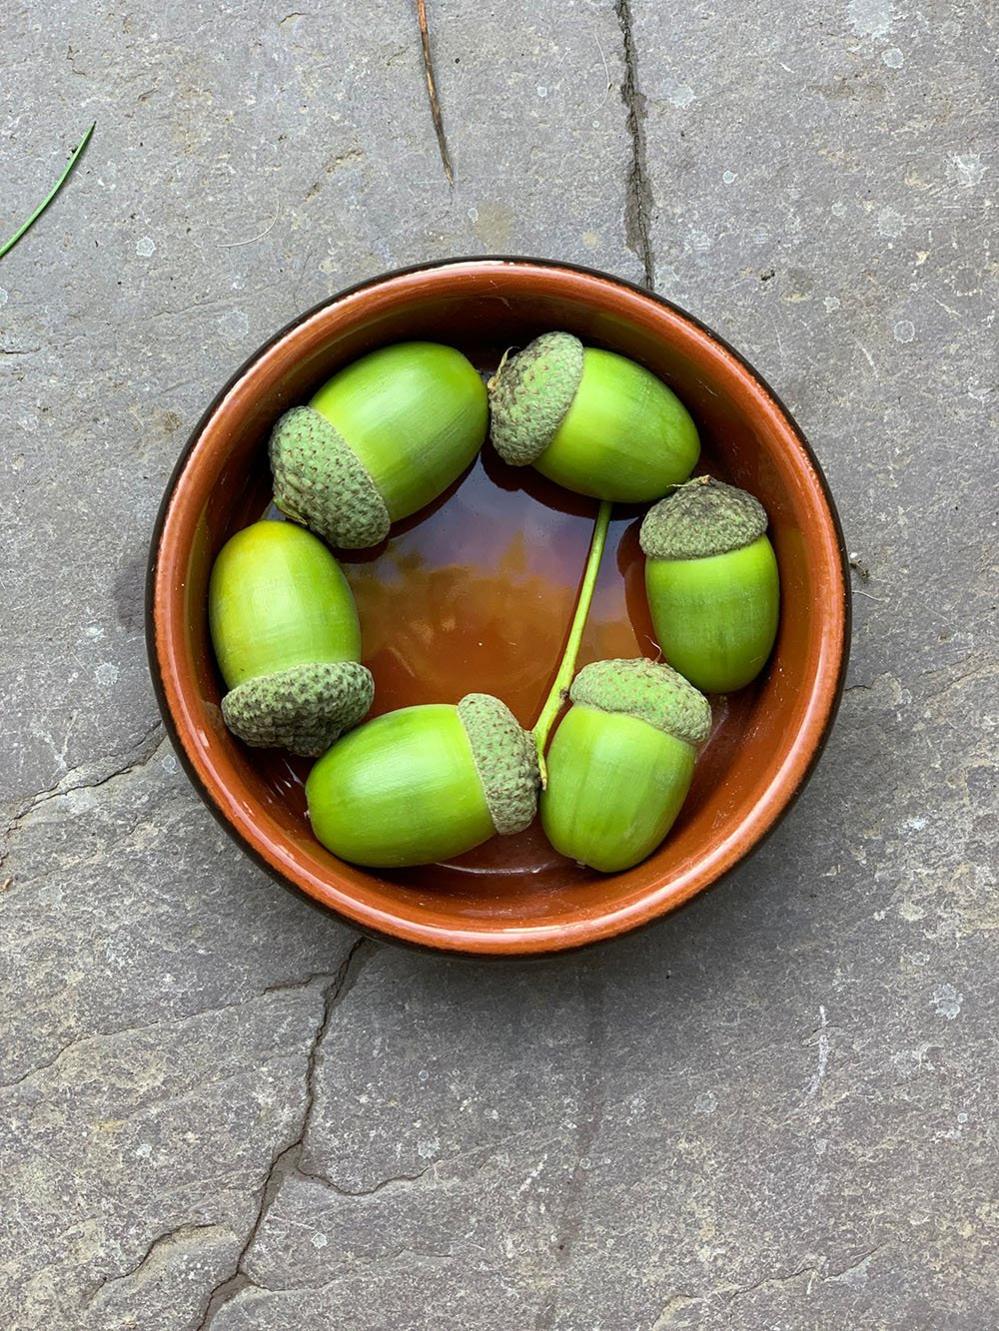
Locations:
(477, 592)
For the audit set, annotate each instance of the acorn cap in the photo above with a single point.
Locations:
(304, 708)
(648, 691)
(320, 481)
(700, 518)
(506, 760)
(530, 395)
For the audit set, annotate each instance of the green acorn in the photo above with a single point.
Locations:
(384, 437)
(591, 420)
(712, 582)
(621, 762)
(423, 784)
(287, 639)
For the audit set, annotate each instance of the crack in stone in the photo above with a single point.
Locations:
(380, 1186)
(87, 776)
(638, 206)
(766, 1281)
(485, 1155)
(155, 1252)
(287, 1159)
(861, 1264)
(680, 1301)
(282, 986)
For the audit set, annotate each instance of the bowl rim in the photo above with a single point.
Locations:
(551, 938)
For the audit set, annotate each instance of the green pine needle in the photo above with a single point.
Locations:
(26, 226)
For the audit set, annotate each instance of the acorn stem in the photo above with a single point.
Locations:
(567, 668)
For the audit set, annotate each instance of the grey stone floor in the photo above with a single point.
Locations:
(776, 1110)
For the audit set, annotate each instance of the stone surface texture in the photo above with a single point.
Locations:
(775, 1110)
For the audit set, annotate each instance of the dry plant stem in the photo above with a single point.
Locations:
(27, 225)
(435, 106)
(567, 668)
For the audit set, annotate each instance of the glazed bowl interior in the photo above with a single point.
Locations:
(476, 594)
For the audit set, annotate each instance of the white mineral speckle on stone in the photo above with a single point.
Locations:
(968, 169)
(145, 247)
(947, 1001)
(891, 223)
(3, 295)
(234, 325)
(106, 674)
(904, 330)
(728, 177)
(680, 94)
(870, 18)
(907, 1062)
(319, 1240)
(822, 1058)
(706, 1103)
(893, 58)
(911, 912)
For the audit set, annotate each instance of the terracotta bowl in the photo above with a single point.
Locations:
(477, 594)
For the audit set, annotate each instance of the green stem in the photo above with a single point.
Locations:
(26, 226)
(567, 668)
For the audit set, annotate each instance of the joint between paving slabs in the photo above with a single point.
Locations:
(288, 1157)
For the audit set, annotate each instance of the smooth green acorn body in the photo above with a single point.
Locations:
(716, 618)
(383, 438)
(621, 762)
(287, 639)
(592, 421)
(713, 584)
(278, 598)
(596, 808)
(424, 784)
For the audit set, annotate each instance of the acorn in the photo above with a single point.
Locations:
(712, 582)
(423, 784)
(384, 437)
(287, 639)
(621, 762)
(591, 420)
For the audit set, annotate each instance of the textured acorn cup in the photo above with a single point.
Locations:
(621, 762)
(590, 420)
(712, 582)
(287, 639)
(384, 437)
(424, 784)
